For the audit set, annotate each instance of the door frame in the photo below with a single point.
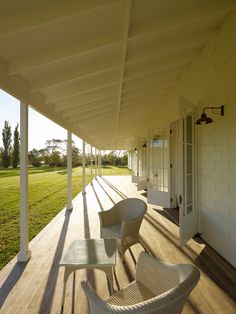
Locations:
(188, 220)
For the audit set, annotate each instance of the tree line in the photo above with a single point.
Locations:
(54, 154)
(10, 153)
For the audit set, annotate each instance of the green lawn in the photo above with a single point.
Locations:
(47, 196)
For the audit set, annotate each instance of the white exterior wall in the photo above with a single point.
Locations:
(211, 81)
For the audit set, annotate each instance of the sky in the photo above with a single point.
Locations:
(39, 125)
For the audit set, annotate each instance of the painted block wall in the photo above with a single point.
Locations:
(211, 81)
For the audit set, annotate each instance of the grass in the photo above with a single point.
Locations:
(47, 192)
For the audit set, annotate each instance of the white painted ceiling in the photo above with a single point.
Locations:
(99, 67)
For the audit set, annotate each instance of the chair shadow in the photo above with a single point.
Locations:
(208, 261)
(47, 298)
(11, 281)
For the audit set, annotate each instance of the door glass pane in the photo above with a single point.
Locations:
(189, 208)
(189, 189)
(189, 129)
(189, 159)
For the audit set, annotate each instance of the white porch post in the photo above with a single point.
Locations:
(69, 171)
(83, 170)
(96, 163)
(91, 163)
(25, 253)
(99, 163)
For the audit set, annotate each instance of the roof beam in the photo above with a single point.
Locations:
(86, 92)
(82, 100)
(53, 12)
(61, 54)
(140, 101)
(139, 93)
(182, 17)
(162, 68)
(159, 63)
(128, 5)
(62, 78)
(145, 84)
(88, 115)
(86, 109)
(98, 117)
(97, 126)
(174, 45)
(154, 94)
(83, 85)
(164, 73)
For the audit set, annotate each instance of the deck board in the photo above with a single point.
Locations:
(36, 287)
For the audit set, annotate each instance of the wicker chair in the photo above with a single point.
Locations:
(158, 288)
(123, 222)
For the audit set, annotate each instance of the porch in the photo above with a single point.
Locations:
(36, 286)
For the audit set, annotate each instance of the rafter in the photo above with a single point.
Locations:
(94, 117)
(87, 109)
(85, 85)
(162, 69)
(176, 46)
(39, 16)
(145, 85)
(85, 93)
(61, 54)
(155, 90)
(148, 66)
(82, 100)
(128, 5)
(97, 126)
(140, 102)
(95, 113)
(63, 78)
(182, 17)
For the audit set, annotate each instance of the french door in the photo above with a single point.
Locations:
(187, 200)
(158, 179)
(142, 166)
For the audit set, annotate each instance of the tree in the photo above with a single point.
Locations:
(54, 152)
(35, 157)
(6, 150)
(16, 148)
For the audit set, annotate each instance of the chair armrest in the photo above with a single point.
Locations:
(109, 217)
(131, 225)
(96, 304)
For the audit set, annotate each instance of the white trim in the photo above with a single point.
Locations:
(69, 171)
(91, 164)
(25, 253)
(96, 163)
(83, 169)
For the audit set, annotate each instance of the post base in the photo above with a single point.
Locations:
(24, 256)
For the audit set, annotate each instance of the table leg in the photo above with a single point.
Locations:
(67, 273)
(109, 272)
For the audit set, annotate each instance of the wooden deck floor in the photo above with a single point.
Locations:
(36, 287)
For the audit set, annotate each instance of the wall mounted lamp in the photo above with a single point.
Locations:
(144, 145)
(205, 119)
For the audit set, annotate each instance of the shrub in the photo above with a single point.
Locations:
(36, 163)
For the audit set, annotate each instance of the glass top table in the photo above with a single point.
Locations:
(89, 253)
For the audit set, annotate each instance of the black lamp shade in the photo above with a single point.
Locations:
(204, 119)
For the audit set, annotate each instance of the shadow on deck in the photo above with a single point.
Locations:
(36, 286)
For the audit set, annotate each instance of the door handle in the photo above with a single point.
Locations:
(180, 200)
